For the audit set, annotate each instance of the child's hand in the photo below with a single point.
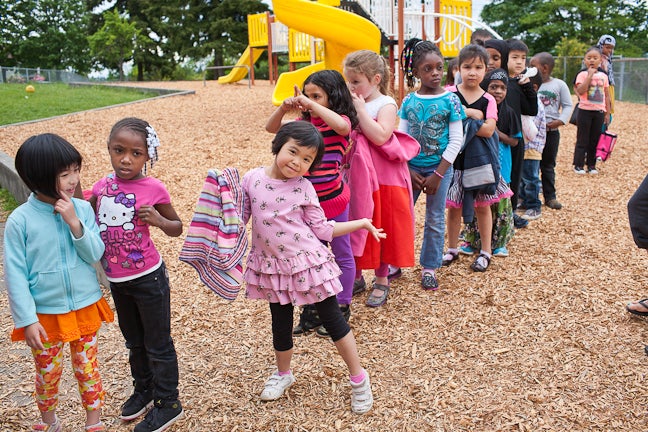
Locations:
(33, 334)
(358, 102)
(474, 113)
(377, 233)
(65, 208)
(417, 180)
(554, 124)
(523, 80)
(149, 215)
(431, 184)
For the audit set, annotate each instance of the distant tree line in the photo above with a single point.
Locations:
(157, 36)
(160, 36)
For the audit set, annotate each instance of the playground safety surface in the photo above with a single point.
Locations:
(541, 341)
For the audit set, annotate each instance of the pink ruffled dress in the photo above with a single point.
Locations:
(287, 263)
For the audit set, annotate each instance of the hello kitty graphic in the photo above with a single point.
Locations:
(117, 213)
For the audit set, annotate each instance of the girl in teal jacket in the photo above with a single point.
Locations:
(50, 244)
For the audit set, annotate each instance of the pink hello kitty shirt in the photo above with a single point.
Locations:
(130, 252)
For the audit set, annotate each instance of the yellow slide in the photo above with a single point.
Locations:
(342, 31)
(237, 74)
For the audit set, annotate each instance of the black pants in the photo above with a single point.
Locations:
(328, 311)
(517, 161)
(590, 125)
(548, 165)
(144, 311)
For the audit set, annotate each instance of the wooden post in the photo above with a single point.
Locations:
(251, 74)
(269, 20)
(437, 24)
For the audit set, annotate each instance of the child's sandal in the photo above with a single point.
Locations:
(481, 263)
(99, 427)
(449, 258)
(46, 427)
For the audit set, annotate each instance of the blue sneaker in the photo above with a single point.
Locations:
(501, 252)
(466, 249)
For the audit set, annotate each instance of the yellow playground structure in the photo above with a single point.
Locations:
(322, 33)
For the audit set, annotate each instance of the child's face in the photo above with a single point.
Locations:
(494, 59)
(128, 154)
(607, 49)
(516, 62)
(430, 71)
(293, 160)
(317, 95)
(592, 59)
(68, 179)
(472, 72)
(544, 69)
(497, 89)
(360, 84)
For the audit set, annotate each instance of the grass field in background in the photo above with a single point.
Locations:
(54, 99)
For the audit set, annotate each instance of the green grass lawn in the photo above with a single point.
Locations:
(57, 98)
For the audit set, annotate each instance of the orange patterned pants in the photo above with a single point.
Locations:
(49, 367)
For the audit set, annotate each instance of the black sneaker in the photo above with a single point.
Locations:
(309, 320)
(163, 415)
(346, 313)
(136, 405)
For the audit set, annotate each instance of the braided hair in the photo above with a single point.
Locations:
(413, 51)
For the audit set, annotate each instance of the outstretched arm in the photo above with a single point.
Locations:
(342, 228)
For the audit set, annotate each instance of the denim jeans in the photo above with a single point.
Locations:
(434, 230)
(548, 165)
(531, 184)
(144, 311)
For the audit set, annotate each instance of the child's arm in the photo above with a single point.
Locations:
(608, 105)
(331, 118)
(582, 87)
(510, 141)
(380, 130)
(276, 118)
(162, 216)
(342, 228)
(65, 208)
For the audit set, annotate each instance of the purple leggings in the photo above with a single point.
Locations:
(341, 247)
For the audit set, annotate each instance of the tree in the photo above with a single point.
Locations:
(116, 42)
(543, 23)
(177, 30)
(44, 33)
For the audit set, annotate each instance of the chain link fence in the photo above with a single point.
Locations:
(630, 76)
(21, 75)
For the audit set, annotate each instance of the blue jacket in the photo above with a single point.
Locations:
(47, 270)
(481, 166)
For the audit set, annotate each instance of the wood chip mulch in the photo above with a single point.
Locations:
(541, 341)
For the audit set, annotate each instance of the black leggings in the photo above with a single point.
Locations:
(282, 322)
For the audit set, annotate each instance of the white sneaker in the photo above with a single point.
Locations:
(579, 170)
(276, 385)
(593, 171)
(361, 396)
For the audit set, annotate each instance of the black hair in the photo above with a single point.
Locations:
(479, 36)
(305, 134)
(142, 128)
(517, 45)
(337, 91)
(473, 51)
(594, 48)
(413, 51)
(545, 58)
(41, 158)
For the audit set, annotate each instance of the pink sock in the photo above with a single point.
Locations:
(355, 379)
(284, 373)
